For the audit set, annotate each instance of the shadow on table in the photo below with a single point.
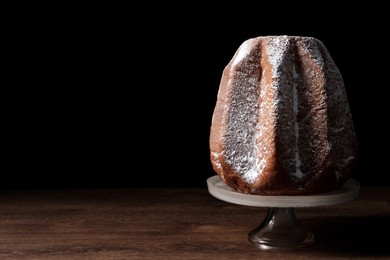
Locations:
(353, 236)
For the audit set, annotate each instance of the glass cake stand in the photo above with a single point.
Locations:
(279, 229)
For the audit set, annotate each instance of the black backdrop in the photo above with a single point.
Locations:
(121, 95)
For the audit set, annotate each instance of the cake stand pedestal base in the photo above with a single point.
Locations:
(279, 229)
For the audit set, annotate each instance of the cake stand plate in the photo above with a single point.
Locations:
(279, 229)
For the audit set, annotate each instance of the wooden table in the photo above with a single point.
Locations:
(177, 224)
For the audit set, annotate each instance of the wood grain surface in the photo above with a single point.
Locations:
(178, 224)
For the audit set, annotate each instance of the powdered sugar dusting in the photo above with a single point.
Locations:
(215, 158)
(251, 175)
(243, 52)
(298, 162)
(240, 137)
(277, 51)
(343, 164)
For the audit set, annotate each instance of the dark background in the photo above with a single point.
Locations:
(121, 95)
